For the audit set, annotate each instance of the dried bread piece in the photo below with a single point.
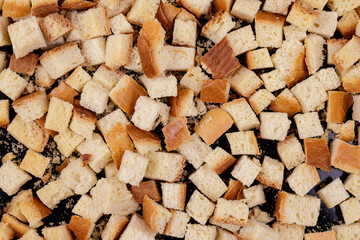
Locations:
(301, 16)
(81, 227)
(329, 235)
(274, 126)
(71, 5)
(184, 33)
(215, 91)
(338, 105)
(325, 24)
(41, 8)
(176, 227)
(57, 232)
(348, 54)
(34, 163)
(198, 231)
(256, 230)
(314, 45)
(19, 228)
(93, 51)
(156, 216)
(291, 152)
(53, 193)
(333, 194)
(246, 9)
(32, 106)
(308, 125)
(114, 227)
(271, 173)
(342, 7)
(317, 153)
(183, 104)
(34, 211)
(303, 178)
(132, 168)
(144, 141)
(234, 212)
(166, 14)
(218, 26)
(196, 7)
(246, 170)
(242, 40)
(12, 178)
(137, 230)
(118, 50)
(176, 133)
(286, 102)
(243, 143)
(12, 84)
(148, 188)
(87, 208)
(269, 29)
(54, 26)
(25, 64)
(174, 195)
(289, 231)
(345, 156)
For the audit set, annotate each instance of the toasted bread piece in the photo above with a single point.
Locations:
(19, 228)
(257, 230)
(317, 153)
(301, 16)
(314, 57)
(12, 178)
(233, 189)
(325, 24)
(183, 104)
(11, 84)
(94, 23)
(218, 26)
(260, 100)
(180, 28)
(16, 9)
(285, 102)
(258, 59)
(328, 235)
(143, 11)
(334, 45)
(118, 50)
(114, 227)
(34, 211)
(333, 194)
(271, 173)
(25, 64)
(176, 227)
(71, 5)
(303, 178)
(234, 212)
(289, 231)
(246, 170)
(290, 152)
(42, 78)
(57, 233)
(87, 208)
(144, 141)
(163, 86)
(166, 14)
(34, 163)
(345, 156)
(195, 7)
(137, 229)
(199, 207)
(274, 126)
(338, 105)
(176, 133)
(59, 115)
(6, 232)
(179, 58)
(347, 24)
(174, 195)
(156, 216)
(215, 91)
(81, 227)
(350, 210)
(63, 92)
(32, 106)
(132, 168)
(254, 195)
(13, 208)
(53, 193)
(148, 188)
(83, 122)
(244, 81)
(348, 54)
(41, 8)
(243, 143)
(246, 9)
(269, 29)
(308, 125)
(54, 26)
(350, 80)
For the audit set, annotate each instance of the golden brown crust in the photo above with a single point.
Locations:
(285, 105)
(150, 212)
(233, 189)
(118, 142)
(27, 98)
(240, 194)
(41, 123)
(338, 105)
(347, 27)
(317, 153)
(80, 227)
(25, 64)
(338, 61)
(71, 5)
(186, 16)
(225, 164)
(84, 113)
(299, 71)
(220, 60)
(63, 92)
(280, 207)
(328, 235)
(50, 53)
(214, 124)
(34, 210)
(176, 103)
(44, 9)
(222, 5)
(268, 182)
(18, 227)
(166, 14)
(176, 133)
(138, 135)
(63, 165)
(148, 188)
(15, 9)
(215, 91)
(270, 18)
(345, 156)
(351, 83)
(48, 27)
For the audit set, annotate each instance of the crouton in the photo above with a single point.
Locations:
(176, 133)
(329, 78)
(246, 170)
(290, 152)
(303, 179)
(174, 195)
(333, 194)
(179, 58)
(254, 195)
(166, 13)
(93, 51)
(342, 7)
(350, 80)
(343, 131)
(218, 26)
(59, 115)
(301, 16)
(34, 163)
(31, 235)
(93, 90)
(199, 207)
(243, 143)
(195, 7)
(308, 125)
(176, 227)
(163, 86)
(143, 11)
(180, 28)
(83, 122)
(81, 227)
(330, 235)
(42, 78)
(246, 9)
(345, 156)
(120, 25)
(144, 141)
(19, 228)
(314, 52)
(317, 153)
(16, 9)
(67, 141)
(4, 110)
(11, 84)
(87, 208)
(258, 59)
(148, 188)
(108, 122)
(114, 227)
(32, 106)
(285, 102)
(25, 65)
(41, 8)
(260, 100)
(231, 212)
(54, 26)
(54, 192)
(271, 173)
(289, 231)
(12, 178)
(269, 29)
(348, 54)
(242, 40)
(351, 184)
(89, 22)
(215, 91)
(347, 24)
(129, 162)
(34, 211)
(294, 32)
(334, 45)
(107, 77)
(6, 231)
(63, 92)
(274, 6)
(350, 210)
(118, 50)
(57, 233)
(183, 104)
(137, 230)
(274, 126)
(155, 215)
(338, 105)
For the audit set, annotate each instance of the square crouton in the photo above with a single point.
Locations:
(137, 229)
(34, 163)
(118, 50)
(94, 23)
(344, 131)
(294, 32)
(166, 15)
(338, 104)
(179, 58)
(174, 195)
(243, 143)
(285, 102)
(260, 100)
(4, 35)
(352, 184)
(193, 79)
(108, 122)
(242, 40)
(224, 234)
(329, 78)
(333, 193)
(59, 115)
(218, 27)
(96, 147)
(271, 173)
(302, 211)
(26, 36)
(344, 231)
(291, 152)
(131, 161)
(163, 86)
(196, 7)
(54, 26)
(246, 9)
(165, 166)
(83, 122)
(41, 8)
(334, 45)
(42, 78)
(34, 211)
(234, 212)
(126, 93)
(177, 224)
(144, 141)
(199, 207)
(52, 193)
(242, 114)
(31, 235)
(340, 7)
(301, 16)
(32, 106)
(12, 178)
(308, 125)
(93, 90)
(24, 65)
(258, 59)
(81, 227)
(119, 24)
(314, 45)
(325, 24)
(114, 227)
(317, 153)
(328, 235)
(194, 150)
(349, 54)
(311, 94)
(350, 210)
(254, 195)
(208, 182)
(149, 113)
(15, 9)
(156, 216)
(244, 81)
(183, 104)
(107, 77)
(219, 160)
(93, 51)
(58, 232)
(184, 33)
(275, 6)
(273, 80)
(246, 170)
(142, 11)
(67, 141)
(148, 188)
(87, 208)
(4, 113)
(274, 126)
(176, 133)
(200, 232)
(345, 156)
(12, 84)
(289, 231)
(257, 230)
(269, 29)
(303, 179)
(78, 79)
(19, 228)
(63, 92)
(6, 231)
(215, 91)
(62, 59)
(347, 24)
(350, 80)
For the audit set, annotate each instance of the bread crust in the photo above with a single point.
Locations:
(62, 22)
(286, 105)
(299, 71)
(280, 210)
(148, 188)
(41, 123)
(166, 14)
(27, 98)
(177, 103)
(215, 91)
(270, 18)
(71, 5)
(186, 16)
(222, 5)
(15, 9)
(176, 133)
(18, 227)
(233, 189)
(345, 156)
(338, 61)
(34, 210)
(328, 235)
(338, 105)
(45, 8)
(25, 64)
(80, 227)
(141, 136)
(63, 92)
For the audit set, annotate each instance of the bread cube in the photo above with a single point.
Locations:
(59, 115)
(166, 14)
(149, 113)
(258, 59)
(273, 80)
(93, 90)
(325, 24)
(87, 208)
(176, 133)
(260, 100)
(231, 212)
(274, 126)
(114, 227)
(107, 77)
(196, 7)
(194, 150)
(163, 86)
(223, 234)
(344, 131)
(348, 54)
(271, 173)
(246, 9)
(301, 16)
(289, 231)
(156, 216)
(208, 182)
(31, 235)
(294, 32)
(274, 6)
(144, 141)
(176, 227)
(18, 227)
(243, 143)
(12, 178)
(269, 29)
(179, 58)
(89, 22)
(32, 106)
(4, 35)
(329, 78)
(261, 216)
(308, 125)
(285, 102)
(219, 160)
(119, 24)
(350, 210)
(303, 179)
(193, 79)
(242, 40)
(118, 50)
(184, 33)
(291, 152)
(257, 230)
(108, 122)
(244, 82)
(334, 45)
(93, 51)
(218, 27)
(81, 227)
(199, 207)
(15, 9)
(83, 122)
(317, 153)
(229, 227)
(6, 231)
(25, 65)
(135, 61)
(34, 211)
(174, 195)
(352, 185)
(344, 231)
(347, 23)
(246, 170)
(11, 84)
(26, 36)
(41, 8)
(165, 166)
(344, 156)
(215, 91)
(148, 188)
(42, 78)
(183, 104)
(142, 11)
(34, 163)
(63, 92)
(4, 113)
(52, 193)
(58, 232)
(338, 105)
(67, 141)
(137, 230)
(314, 52)
(254, 195)
(113, 197)
(131, 161)
(333, 194)
(54, 26)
